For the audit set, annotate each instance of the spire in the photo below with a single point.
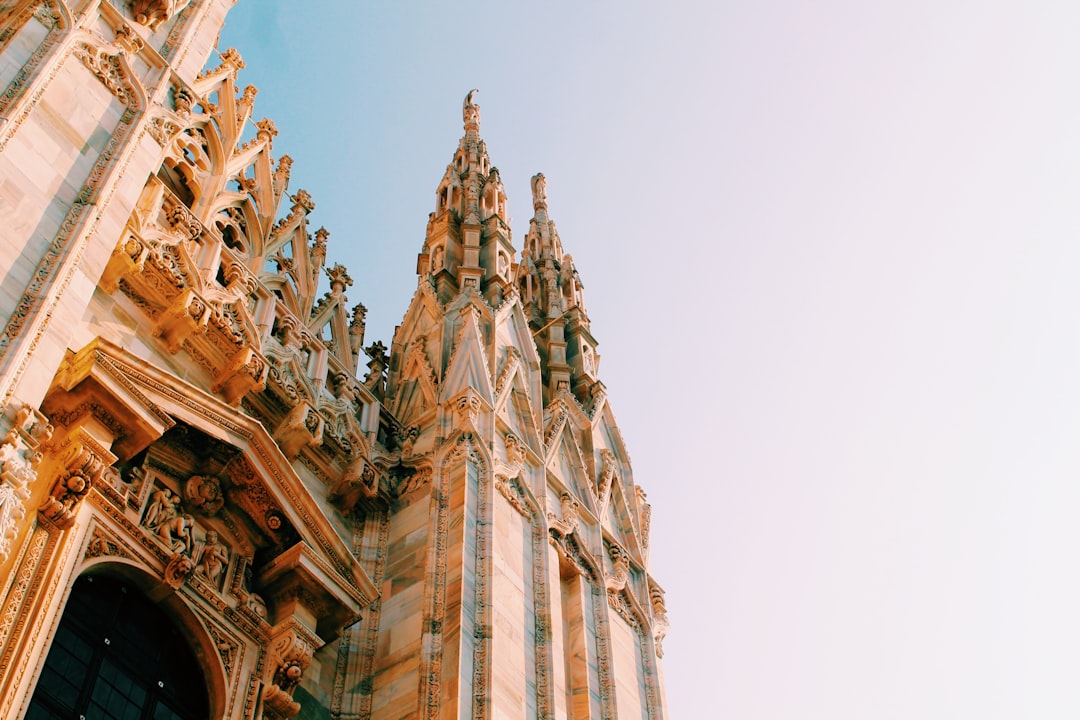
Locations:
(467, 244)
(553, 298)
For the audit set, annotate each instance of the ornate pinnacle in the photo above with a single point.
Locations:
(302, 199)
(339, 278)
(231, 58)
(267, 130)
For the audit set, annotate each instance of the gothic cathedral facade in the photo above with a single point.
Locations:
(215, 501)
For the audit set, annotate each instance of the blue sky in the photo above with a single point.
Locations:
(830, 254)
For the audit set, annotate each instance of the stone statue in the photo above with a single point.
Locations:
(470, 111)
(539, 191)
(164, 506)
(215, 556)
(176, 533)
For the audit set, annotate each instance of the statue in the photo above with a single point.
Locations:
(215, 556)
(176, 533)
(470, 112)
(164, 506)
(539, 191)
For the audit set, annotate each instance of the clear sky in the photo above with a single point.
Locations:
(830, 252)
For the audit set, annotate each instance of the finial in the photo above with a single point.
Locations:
(539, 191)
(470, 112)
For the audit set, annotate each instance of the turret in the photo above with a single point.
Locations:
(467, 244)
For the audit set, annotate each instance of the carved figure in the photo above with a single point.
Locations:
(470, 111)
(215, 556)
(539, 190)
(176, 533)
(203, 492)
(164, 506)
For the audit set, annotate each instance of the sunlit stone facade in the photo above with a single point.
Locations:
(215, 500)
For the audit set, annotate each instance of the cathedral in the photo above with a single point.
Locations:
(217, 500)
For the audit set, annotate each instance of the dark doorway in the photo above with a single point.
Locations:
(117, 656)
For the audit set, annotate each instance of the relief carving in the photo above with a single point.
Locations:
(292, 648)
(568, 523)
(83, 461)
(19, 458)
(203, 493)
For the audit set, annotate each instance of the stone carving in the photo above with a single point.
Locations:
(203, 493)
(162, 130)
(19, 457)
(507, 487)
(414, 481)
(539, 191)
(515, 454)
(226, 647)
(291, 650)
(620, 572)
(153, 13)
(257, 605)
(83, 462)
(214, 558)
(103, 545)
(108, 68)
(470, 112)
(644, 510)
(164, 506)
(568, 523)
(467, 408)
(178, 570)
(660, 618)
(177, 533)
(607, 474)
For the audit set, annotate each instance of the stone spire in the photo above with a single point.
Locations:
(554, 301)
(467, 244)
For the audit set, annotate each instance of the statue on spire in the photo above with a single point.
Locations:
(470, 112)
(539, 191)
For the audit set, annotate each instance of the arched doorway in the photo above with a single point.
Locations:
(117, 655)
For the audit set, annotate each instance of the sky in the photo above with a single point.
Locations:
(829, 252)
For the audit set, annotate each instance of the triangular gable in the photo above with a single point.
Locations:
(567, 462)
(618, 520)
(516, 413)
(468, 365)
(513, 331)
(420, 317)
(417, 389)
(606, 433)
